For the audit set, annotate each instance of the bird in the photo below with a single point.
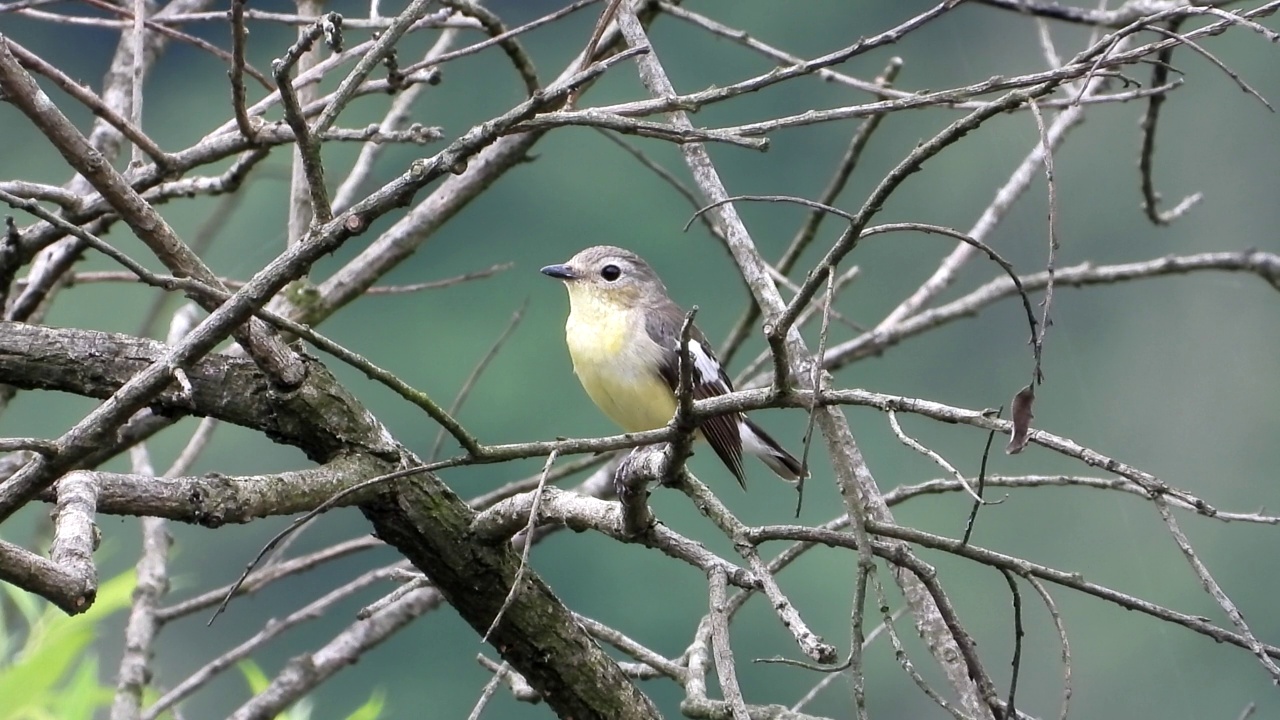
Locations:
(623, 334)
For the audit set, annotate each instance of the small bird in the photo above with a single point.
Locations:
(623, 334)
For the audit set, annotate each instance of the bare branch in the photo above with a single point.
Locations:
(76, 533)
(131, 129)
(308, 163)
(726, 670)
(148, 224)
(1215, 591)
(311, 611)
(475, 553)
(24, 569)
(383, 45)
(144, 625)
(307, 671)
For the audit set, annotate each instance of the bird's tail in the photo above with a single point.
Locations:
(758, 442)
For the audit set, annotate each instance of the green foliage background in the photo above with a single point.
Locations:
(1175, 375)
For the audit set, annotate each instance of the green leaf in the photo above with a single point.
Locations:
(253, 675)
(43, 662)
(150, 694)
(27, 604)
(300, 710)
(82, 694)
(33, 683)
(372, 708)
(258, 682)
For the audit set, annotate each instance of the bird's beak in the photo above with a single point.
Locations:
(560, 272)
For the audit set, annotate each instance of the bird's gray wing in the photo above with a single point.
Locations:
(709, 380)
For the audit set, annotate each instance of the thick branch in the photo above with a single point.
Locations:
(70, 592)
(537, 634)
(214, 500)
(96, 364)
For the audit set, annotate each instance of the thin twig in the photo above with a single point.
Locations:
(239, 35)
(1215, 590)
(904, 660)
(935, 457)
(1264, 265)
(266, 576)
(270, 631)
(639, 652)
(809, 642)
(1010, 710)
(130, 128)
(160, 24)
(205, 292)
(1063, 644)
(524, 553)
(982, 484)
(816, 381)
(307, 146)
(1020, 566)
(489, 689)
(144, 625)
(1146, 156)
(383, 44)
(808, 229)
(397, 115)
(139, 72)
(477, 371)
(1037, 375)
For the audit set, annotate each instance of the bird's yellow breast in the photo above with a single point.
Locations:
(618, 364)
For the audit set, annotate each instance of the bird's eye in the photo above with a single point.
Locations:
(610, 272)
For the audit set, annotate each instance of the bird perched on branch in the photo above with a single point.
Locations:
(623, 334)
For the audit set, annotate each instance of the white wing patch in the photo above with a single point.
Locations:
(706, 365)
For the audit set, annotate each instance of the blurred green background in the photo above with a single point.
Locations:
(1177, 375)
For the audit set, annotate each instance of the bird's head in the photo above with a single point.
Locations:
(609, 275)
